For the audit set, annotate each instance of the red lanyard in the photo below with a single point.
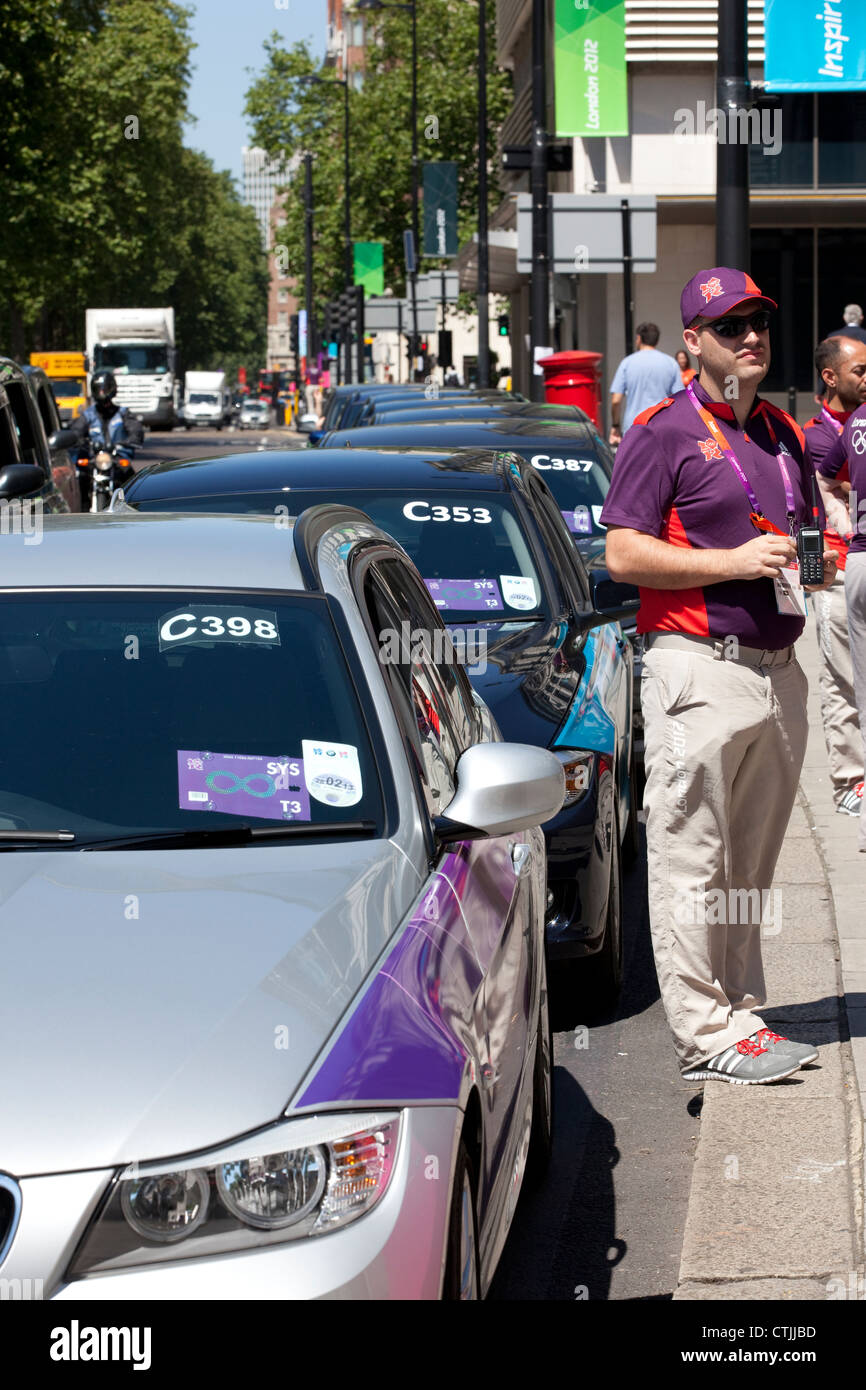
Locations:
(831, 420)
(756, 515)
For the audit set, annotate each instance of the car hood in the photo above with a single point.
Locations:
(160, 1002)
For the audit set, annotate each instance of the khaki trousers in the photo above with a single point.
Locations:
(836, 679)
(725, 743)
(855, 592)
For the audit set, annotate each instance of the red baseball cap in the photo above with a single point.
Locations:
(712, 293)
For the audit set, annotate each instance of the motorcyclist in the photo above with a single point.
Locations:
(104, 424)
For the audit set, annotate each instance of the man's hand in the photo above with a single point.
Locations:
(761, 558)
(830, 566)
(614, 438)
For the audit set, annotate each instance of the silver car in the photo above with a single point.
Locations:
(276, 1019)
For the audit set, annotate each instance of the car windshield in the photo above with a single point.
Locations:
(578, 480)
(184, 711)
(469, 546)
(67, 387)
(203, 398)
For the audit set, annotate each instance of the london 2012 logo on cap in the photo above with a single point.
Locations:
(712, 289)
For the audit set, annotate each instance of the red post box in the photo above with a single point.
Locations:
(574, 378)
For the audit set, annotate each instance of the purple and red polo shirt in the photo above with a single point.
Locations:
(671, 480)
(850, 447)
(820, 438)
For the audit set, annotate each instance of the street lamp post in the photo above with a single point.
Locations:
(348, 257)
(413, 274)
(483, 262)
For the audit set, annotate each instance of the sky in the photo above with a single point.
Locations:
(230, 36)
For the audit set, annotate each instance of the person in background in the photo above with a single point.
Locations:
(852, 324)
(841, 364)
(684, 363)
(642, 379)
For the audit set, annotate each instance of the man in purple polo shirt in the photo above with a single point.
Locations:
(708, 489)
(851, 446)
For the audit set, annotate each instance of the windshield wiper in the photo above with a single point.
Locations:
(53, 836)
(232, 835)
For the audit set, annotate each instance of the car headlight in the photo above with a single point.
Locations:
(301, 1178)
(577, 766)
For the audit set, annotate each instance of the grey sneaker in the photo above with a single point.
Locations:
(746, 1064)
(804, 1053)
(850, 803)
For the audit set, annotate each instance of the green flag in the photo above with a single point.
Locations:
(589, 67)
(370, 266)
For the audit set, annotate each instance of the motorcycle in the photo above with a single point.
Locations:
(100, 470)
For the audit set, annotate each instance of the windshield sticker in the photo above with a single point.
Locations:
(579, 521)
(332, 772)
(242, 784)
(518, 591)
(218, 623)
(596, 516)
(470, 595)
(435, 511)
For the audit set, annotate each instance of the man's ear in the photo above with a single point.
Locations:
(692, 341)
(828, 376)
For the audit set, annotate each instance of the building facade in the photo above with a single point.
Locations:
(808, 191)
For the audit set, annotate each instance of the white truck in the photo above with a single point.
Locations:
(138, 346)
(206, 400)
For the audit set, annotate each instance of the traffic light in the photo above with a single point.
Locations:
(444, 354)
(295, 336)
(504, 326)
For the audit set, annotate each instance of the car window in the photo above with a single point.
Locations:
(8, 438)
(225, 732)
(47, 409)
(21, 404)
(426, 688)
(565, 557)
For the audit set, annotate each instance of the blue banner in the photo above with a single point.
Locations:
(815, 45)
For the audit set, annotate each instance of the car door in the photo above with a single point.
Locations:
(498, 882)
(31, 445)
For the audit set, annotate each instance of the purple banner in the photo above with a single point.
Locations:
(470, 595)
(242, 784)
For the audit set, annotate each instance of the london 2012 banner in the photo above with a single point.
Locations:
(589, 67)
(815, 45)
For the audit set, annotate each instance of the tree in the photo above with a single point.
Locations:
(289, 116)
(104, 204)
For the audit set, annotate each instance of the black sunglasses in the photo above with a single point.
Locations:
(735, 327)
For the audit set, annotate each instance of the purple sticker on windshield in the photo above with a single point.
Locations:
(470, 595)
(579, 521)
(242, 784)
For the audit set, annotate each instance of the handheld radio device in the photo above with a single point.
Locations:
(810, 547)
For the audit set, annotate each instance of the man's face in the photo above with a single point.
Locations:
(746, 356)
(848, 379)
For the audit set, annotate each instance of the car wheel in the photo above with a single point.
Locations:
(631, 843)
(541, 1138)
(602, 973)
(461, 1263)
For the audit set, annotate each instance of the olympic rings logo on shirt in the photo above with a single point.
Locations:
(241, 784)
(858, 441)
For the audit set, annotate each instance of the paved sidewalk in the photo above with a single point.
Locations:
(776, 1203)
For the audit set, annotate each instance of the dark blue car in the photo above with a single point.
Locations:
(539, 633)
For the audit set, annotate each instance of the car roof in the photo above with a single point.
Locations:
(169, 550)
(273, 470)
(474, 410)
(495, 432)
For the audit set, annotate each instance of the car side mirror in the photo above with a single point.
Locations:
(62, 439)
(20, 479)
(612, 601)
(501, 788)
